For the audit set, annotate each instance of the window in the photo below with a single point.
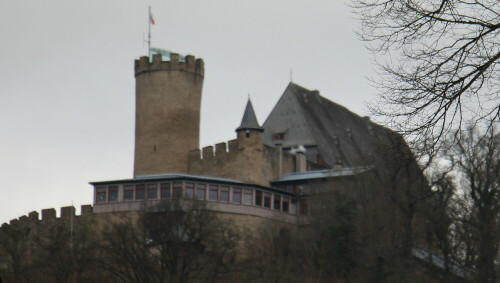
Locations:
(247, 197)
(267, 200)
(258, 198)
(139, 192)
(213, 193)
(201, 191)
(277, 202)
(284, 205)
(189, 190)
(128, 193)
(152, 191)
(101, 195)
(304, 209)
(293, 207)
(278, 136)
(237, 195)
(165, 190)
(177, 188)
(224, 194)
(112, 193)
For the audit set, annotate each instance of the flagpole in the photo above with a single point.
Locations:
(149, 32)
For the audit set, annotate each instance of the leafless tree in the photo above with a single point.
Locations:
(477, 158)
(439, 63)
(178, 241)
(49, 251)
(14, 251)
(443, 214)
(65, 252)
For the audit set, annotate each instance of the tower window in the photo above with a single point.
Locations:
(200, 191)
(165, 190)
(277, 202)
(101, 195)
(247, 197)
(224, 194)
(213, 193)
(267, 200)
(112, 193)
(128, 193)
(284, 205)
(258, 198)
(189, 190)
(236, 195)
(139, 192)
(248, 133)
(152, 191)
(177, 188)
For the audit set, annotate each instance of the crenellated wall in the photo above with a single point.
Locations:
(244, 159)
(49, 214)
(191, 65)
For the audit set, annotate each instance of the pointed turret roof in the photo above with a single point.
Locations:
(249, 121)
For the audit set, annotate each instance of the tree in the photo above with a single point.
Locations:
(14, 251)
(178, 241)
(448, 70)
(477, 158)
(49, 251)
(443, 213)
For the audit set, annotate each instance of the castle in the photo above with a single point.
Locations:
(263, 172)
(266, 172)
(307, 148)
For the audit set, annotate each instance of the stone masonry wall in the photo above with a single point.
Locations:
(245, 159)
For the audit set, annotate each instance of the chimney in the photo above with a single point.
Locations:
(300, 159)
(338, 164)
(279, 149)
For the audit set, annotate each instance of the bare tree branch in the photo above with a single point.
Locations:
(448, 70)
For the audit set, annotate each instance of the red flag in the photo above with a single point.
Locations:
(151, 18)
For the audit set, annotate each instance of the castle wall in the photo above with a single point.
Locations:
(245, 159)
(168, 98)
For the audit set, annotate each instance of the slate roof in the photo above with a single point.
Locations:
(169, 176)
(335, 133)
(249, 121)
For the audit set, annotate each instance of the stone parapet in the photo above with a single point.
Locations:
(220, 151)
(67, 211)
(86, 209)
(191, 65)
(50, 214)
(33, 216)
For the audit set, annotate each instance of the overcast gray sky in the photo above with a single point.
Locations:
(67, 84)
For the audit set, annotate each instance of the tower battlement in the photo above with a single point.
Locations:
(190, 65)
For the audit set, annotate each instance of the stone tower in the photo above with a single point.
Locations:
(249, 132)
(167, 115)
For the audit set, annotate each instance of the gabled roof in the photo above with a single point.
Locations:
(306, 118)
(249, 121)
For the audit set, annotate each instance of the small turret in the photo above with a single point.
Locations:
(249, 133)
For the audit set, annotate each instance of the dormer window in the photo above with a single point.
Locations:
(278, 136)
